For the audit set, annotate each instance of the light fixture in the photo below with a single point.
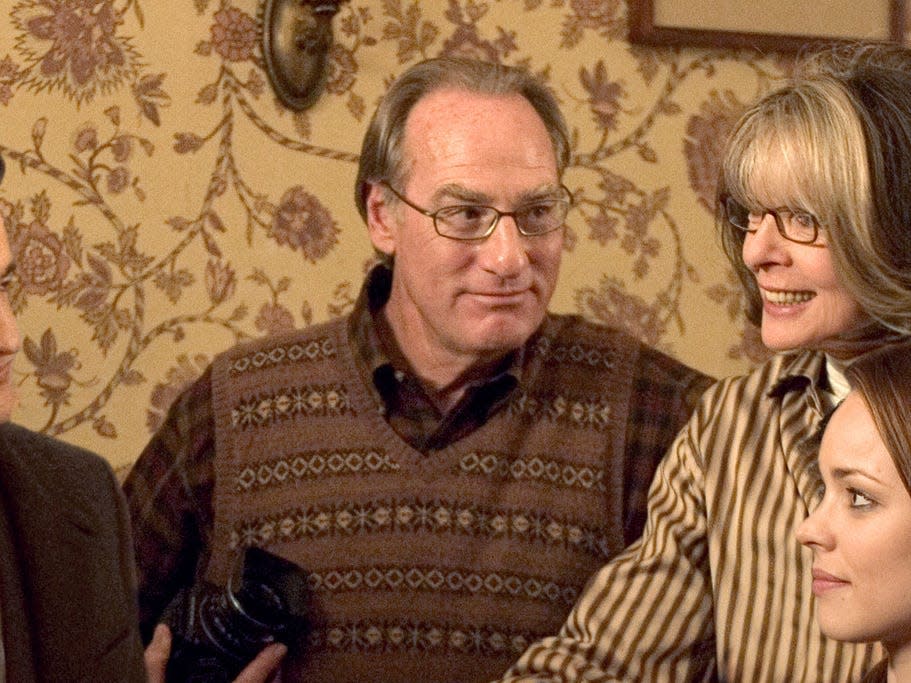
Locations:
(296, 39)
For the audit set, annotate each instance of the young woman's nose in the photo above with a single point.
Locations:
(813, 531)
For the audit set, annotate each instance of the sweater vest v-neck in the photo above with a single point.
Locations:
(422, 567)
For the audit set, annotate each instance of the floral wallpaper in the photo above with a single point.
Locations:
(162, 205)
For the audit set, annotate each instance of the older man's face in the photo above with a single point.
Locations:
(461, 303)
(9, 331)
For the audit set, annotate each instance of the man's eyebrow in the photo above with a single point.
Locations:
(544, 192)
(463, 194)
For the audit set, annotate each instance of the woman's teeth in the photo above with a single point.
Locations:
(787, 298)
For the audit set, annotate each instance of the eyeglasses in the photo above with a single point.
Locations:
(797, 226)
(468, 222)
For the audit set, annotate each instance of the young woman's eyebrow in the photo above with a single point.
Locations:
(841, 473)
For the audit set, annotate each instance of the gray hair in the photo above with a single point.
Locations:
(381, 152)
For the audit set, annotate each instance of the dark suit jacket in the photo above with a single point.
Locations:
(67, 580)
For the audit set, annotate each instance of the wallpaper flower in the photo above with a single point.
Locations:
(162, 205)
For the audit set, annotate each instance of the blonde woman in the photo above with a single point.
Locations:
(814, 208)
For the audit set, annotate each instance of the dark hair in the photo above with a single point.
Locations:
(381, 151)
(883, 379)
(840, 132)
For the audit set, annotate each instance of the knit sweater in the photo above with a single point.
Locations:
(422, 568)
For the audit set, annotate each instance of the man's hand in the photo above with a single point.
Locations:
(264, 668)
(157, 653)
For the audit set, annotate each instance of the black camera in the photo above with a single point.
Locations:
(217, 631)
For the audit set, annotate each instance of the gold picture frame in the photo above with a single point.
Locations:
(765, 25)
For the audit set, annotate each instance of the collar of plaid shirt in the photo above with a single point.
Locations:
(409, 409)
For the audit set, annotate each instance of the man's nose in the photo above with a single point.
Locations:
(504, 251)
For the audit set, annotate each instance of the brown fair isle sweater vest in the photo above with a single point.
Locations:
(439, 567)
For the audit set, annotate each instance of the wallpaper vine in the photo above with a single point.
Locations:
(162, 205)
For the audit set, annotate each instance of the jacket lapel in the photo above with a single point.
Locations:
(18, 648)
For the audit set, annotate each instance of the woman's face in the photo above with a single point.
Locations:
(804, 304)
(860, 534)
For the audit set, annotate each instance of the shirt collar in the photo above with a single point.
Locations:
(805, 371)
(375, 342)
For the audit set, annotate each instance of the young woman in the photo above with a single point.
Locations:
(860, 533)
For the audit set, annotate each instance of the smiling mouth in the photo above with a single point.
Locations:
(786, 298)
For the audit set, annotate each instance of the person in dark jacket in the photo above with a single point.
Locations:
(68, 609)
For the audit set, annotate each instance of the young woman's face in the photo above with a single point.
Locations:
(860, 534)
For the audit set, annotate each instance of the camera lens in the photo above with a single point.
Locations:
(241, 625)
(260, 602)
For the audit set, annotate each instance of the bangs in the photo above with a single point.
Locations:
(801, 148)
(774, 173)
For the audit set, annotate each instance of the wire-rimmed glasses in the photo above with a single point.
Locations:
(467, 222)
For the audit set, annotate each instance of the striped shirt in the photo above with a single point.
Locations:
(718, 588)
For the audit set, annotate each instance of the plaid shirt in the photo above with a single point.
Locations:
(169, 489)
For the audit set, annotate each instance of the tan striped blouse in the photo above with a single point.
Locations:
(718, 588)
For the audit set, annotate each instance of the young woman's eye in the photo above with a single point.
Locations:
(859, 499)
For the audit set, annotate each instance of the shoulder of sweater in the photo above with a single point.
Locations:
(572, 326)
(284, 339)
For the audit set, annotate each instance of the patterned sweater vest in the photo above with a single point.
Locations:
(439, 567)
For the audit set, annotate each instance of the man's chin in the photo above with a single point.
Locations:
(502, 340)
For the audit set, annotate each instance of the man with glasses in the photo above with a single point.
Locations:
(449, 462)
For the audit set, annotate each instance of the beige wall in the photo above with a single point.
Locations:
(162, 205)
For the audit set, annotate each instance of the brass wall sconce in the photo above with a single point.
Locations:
(296, 39)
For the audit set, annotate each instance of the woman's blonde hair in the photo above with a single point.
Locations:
(838, 138)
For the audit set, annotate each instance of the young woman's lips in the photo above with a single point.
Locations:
(823, 582)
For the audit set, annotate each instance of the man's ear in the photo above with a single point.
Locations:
(381, 220)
